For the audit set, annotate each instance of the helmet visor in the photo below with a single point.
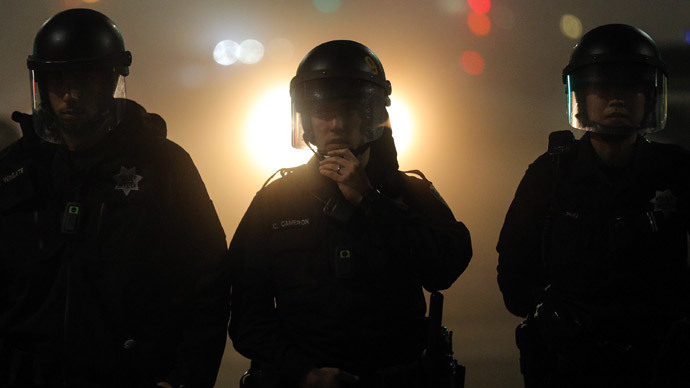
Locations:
(95, 109)
(617, 97)
(367, 98)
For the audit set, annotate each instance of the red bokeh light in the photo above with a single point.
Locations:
(472, 62)
(479, 23)
(479, 6)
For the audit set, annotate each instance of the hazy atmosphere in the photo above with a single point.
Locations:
(476, 91)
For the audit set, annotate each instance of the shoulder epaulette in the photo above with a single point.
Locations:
(561, 147)
(561, 142)
(418, 173)
(429, 185)
(283, 172)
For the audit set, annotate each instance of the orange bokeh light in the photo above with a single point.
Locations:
(479, 6)
(472, 62)
(479, 23)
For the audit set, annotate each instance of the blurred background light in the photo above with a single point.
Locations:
(687, 36)
(268, 132)
(402, 124)
(571, 26)
(479, 6)
(327, 6)
(452, 6)
(479, 23)
(472, 62)
(250, 51)
(226, 52)
(90, 1)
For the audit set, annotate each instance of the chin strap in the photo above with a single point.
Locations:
(614, 132)
(356, 152)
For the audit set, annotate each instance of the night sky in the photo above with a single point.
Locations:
(476, 91)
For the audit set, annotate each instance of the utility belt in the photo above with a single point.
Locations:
(555, 349)
(436, 368)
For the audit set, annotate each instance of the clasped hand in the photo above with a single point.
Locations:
(348, 172)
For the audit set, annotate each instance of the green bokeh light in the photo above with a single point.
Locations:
(327, 6)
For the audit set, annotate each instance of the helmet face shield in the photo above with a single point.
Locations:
(639, 90)
(363, 98)
(297, 129)
(107, 110)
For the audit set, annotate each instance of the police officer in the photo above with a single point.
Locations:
(111, 253)
(593, 250)
(330, 259)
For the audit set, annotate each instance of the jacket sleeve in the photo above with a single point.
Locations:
(255, 329)
(521, 273)
(422, 229)
(198, 243)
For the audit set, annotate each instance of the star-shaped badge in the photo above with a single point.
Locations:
(127, 180)
(665, 202)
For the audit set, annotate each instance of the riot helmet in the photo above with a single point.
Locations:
(625, 61)
(339, 70)
(79, 51)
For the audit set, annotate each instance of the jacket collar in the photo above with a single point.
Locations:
(587, 164)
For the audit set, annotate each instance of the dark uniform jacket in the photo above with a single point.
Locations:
(111, 262)
(611, 245)
(312, 290)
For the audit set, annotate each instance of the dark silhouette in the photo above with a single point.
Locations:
(330, 259)
(593, 251)
(111, 253)
(8, 133)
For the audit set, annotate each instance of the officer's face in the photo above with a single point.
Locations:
(78, 97)
(337, 124)
(615, 95)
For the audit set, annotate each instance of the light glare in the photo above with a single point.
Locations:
(480, 6)
(226, 52)
(250, 51)
(268, 131)
(402, 125)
